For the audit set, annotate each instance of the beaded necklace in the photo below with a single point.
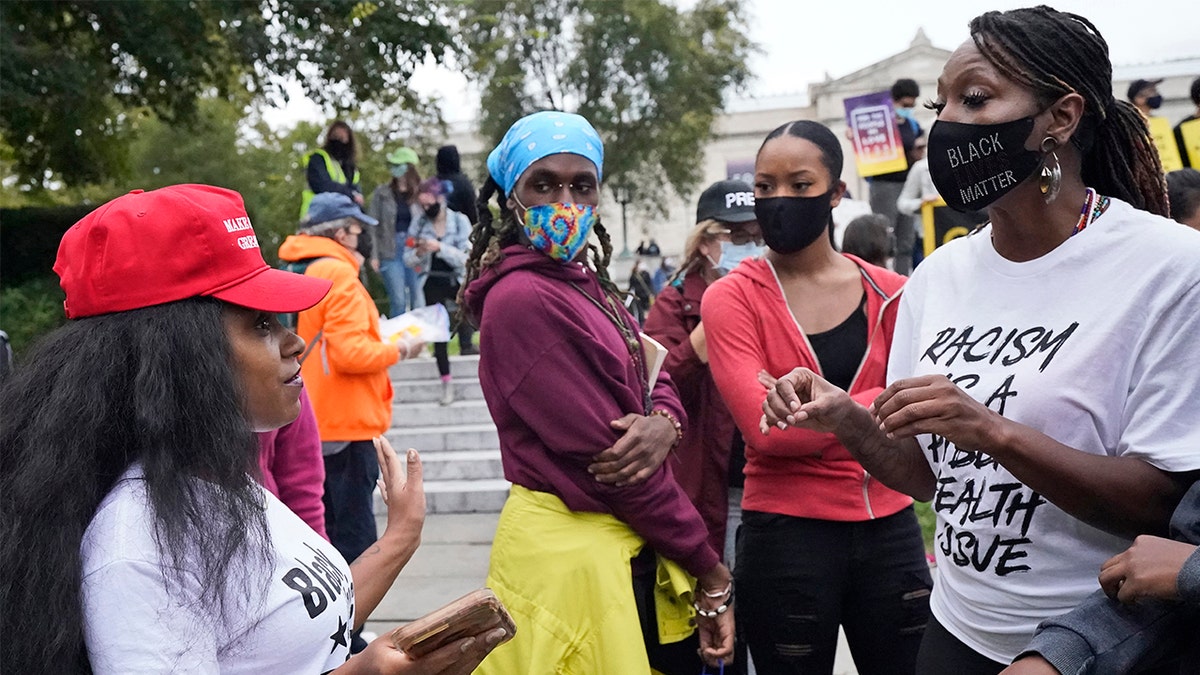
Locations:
(1093, 205)
(631, 338)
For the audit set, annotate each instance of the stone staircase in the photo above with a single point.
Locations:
(458, 443)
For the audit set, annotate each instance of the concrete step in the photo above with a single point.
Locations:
(458, 443)
(408, 415)
(466, 496)
(430, 391)
(462, 465)
(459, 496)
(446, 437)
(425, 368)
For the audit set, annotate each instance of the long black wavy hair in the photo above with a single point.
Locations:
(488, 237)
(152, 385)
(1055, 53)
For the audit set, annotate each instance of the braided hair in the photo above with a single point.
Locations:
(489, 237)
(1057, 53)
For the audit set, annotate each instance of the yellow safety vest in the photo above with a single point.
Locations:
(335, 172)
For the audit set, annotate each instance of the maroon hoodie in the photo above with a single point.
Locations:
(556, 372)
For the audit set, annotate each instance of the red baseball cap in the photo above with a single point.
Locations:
(183, 241)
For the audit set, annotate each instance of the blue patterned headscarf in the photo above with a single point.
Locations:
(539, 135)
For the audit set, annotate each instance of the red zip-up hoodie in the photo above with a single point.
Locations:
(796, 472)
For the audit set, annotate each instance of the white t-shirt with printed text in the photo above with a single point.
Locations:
(1094, 344)
(296, 621)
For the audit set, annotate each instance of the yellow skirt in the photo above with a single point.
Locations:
(565, 578)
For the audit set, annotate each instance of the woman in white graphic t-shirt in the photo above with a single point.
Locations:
(1043, 372)
(136, 539)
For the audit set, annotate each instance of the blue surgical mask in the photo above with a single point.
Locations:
(906, 113)
(398, 170)
(732, 254)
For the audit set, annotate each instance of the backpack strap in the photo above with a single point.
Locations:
(309, 347)
(301, 267)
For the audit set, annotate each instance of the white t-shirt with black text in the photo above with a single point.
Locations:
(297, 620)
(1094, 344)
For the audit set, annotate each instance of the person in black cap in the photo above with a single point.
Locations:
(1144, 94)
(706, 463)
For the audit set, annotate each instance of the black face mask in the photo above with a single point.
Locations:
(1154, 101)
(789, 224)
(973, 165)
(432, 210)
(337, 149)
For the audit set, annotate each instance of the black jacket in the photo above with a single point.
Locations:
(462, 197)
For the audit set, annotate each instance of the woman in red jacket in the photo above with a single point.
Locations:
(822, 543)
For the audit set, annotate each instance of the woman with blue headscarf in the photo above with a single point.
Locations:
(598, 550)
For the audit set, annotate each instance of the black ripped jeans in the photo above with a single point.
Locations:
(798, 579)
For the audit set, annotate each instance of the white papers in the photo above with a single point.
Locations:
(425, 324)
(656, 354)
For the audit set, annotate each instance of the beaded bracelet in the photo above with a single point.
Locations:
(714, 613)
(674, 422)
(719, 594)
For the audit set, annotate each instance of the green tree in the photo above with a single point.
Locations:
(71, 71)
(650, 77)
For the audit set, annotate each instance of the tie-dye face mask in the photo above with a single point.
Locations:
(559, 230)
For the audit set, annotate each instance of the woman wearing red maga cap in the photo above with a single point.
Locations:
(132, 428)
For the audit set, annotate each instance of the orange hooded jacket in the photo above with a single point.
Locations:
(346, 374)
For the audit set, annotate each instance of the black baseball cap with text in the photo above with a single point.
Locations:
(726, 201)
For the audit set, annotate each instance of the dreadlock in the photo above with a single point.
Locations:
(489, 238)
(1056, 53)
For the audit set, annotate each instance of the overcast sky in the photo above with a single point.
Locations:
(803, 40)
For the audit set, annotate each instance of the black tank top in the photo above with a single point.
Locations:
(840, 349)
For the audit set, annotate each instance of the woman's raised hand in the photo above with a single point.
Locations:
(403, 490)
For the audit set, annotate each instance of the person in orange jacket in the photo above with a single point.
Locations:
(346, 372)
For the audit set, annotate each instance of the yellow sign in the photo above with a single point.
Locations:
(1190, 130)
(941, 224)
(1164, 140)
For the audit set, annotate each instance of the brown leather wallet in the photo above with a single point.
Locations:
(473, 614)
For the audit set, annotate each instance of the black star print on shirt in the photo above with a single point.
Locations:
(341, 636)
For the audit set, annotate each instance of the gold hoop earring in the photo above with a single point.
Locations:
(1051, 176)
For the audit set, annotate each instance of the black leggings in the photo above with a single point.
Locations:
(798, 579)
(436, 293)
(944, 654)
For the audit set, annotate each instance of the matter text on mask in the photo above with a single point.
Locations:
(987, 186)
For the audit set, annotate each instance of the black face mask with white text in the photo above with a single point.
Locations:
(973, 165)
